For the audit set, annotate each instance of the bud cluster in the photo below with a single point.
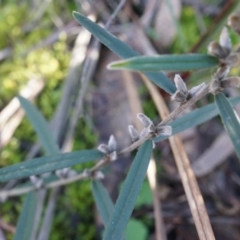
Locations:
(149, 128)
(234, 22)
(182, 94)
(228, 57)
(220, 80)
(111, 149)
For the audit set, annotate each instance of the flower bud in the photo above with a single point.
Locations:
(179, 97)
(164, 130)
(144, 133)
(222, 72)
(103, 148)
(113, 156)
(133, 133)
(98, 175)
(214, 86)
(225, 40)
(144, 119)
(151, 128)
(193, 91)
(180, 84)
(233, 60)
(230, 82)
(36, 181)
(216, 50)
(234, 22)
(112, 144)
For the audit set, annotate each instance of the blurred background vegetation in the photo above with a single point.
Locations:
(37, 39)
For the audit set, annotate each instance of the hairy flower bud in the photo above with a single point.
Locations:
(133, 133)
(98, 175)
(164, 130)
(230, 82)
(197, 89)
(110, 149)
(216, 50)
(112, 144)
(225, 40)
(181, 95)
(234, 22)
(222, 72)
(103, 148)
(233, 60)
(215, 86)
(36, 181)
(180, 84)
(146, 121)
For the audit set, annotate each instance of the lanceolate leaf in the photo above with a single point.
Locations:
(104, 202)
(47, 164)
(122, 50)
(195, 118)
(26, 219)
(129, 193)
(166, 62)
(230, 120)
(46, 138)
(40, 125)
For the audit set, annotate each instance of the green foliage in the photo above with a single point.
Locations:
(230, 120)
(40, 125)
(11, 19)
(47, 164)
(76, 199)
(73, 218)
(129, 193)
(166, 63)
(189, 28)
(121, 49)
(195, 118)
(103, 201)
(26, 220)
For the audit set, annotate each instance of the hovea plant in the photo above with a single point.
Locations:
(115, 216)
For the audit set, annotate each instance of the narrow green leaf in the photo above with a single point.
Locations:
(230, 120)
(40, 125)
(104, 202)
(129, 193)
(122, 50)
(46, 138)
(166, 62)
(195, 118)
(26, 219)
(47, 164)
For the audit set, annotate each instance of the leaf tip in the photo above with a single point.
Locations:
(76, 15)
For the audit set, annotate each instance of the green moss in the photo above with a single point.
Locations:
(189, 29)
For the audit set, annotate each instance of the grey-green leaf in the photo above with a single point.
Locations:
(129, 193)
(26, 219)
(40, 125)
(230, 120)
(194, 118)
(122, 50)
(172, 62)
(47, 164)
(104, 202)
